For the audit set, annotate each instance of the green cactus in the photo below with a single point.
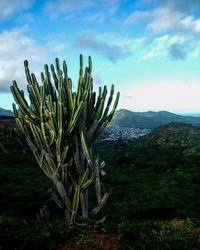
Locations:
(60, 127)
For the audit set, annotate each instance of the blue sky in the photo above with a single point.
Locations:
(150, 49)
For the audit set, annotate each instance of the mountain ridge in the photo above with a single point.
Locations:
(5, 112)
(143, 120)
(150, 119)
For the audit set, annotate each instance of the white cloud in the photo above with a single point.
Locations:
(57, 7)
(166, 19)
(10, 7)
(138, 16)
(175, 95)
(102, 10)
(111, 46)
(111, 51)
(196, 52)
(122, 41)
(181, 5)
(57, 44)
(157, 20)
(161, 45)
(15, 48)
(163, 19)
(77, 10)
(191, 24)
(180, 32)
(101, 14)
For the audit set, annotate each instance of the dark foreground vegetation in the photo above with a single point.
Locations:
(154, 194)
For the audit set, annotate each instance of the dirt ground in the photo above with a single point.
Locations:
(102, 240)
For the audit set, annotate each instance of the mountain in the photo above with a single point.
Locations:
(150, 119)
(156, 175)
(5, 112)
(178, 135)
(171, 141)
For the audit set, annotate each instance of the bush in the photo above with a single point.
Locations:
(173, 234)
(24, 234)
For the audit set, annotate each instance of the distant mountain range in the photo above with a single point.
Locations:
(5, 112)
(150, 119)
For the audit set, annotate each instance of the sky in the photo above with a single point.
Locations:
(149, 49)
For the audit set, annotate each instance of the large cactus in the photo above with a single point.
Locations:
(60, 127)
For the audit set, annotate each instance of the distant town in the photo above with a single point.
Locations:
(116, 133)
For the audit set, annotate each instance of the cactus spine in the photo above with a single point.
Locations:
(60, 127)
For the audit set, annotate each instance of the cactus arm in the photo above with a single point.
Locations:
(15, 112)
(54, 76)
(75, 203)
(27, 72)
(100, 205)
(74, 118)
(52, 116)
(86, 151)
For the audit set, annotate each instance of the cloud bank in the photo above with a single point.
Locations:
(15, 48)
(112, 47)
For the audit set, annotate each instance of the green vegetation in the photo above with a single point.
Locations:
(157, 176)
(8, 131)
(175, 234)
(154, 195)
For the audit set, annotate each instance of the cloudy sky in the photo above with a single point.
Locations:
(150, 49)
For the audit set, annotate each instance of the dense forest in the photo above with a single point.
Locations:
(153, 184)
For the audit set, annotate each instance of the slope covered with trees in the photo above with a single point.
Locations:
(154, 193)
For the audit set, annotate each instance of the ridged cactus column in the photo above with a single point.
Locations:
(60, 127)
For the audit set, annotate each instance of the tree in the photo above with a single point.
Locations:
(60, 126)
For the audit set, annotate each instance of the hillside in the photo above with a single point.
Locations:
(150, 119)
(181, 135)
(5, 112)
(151, 181)
(165, 147)
(160, 172)
(9, 140)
